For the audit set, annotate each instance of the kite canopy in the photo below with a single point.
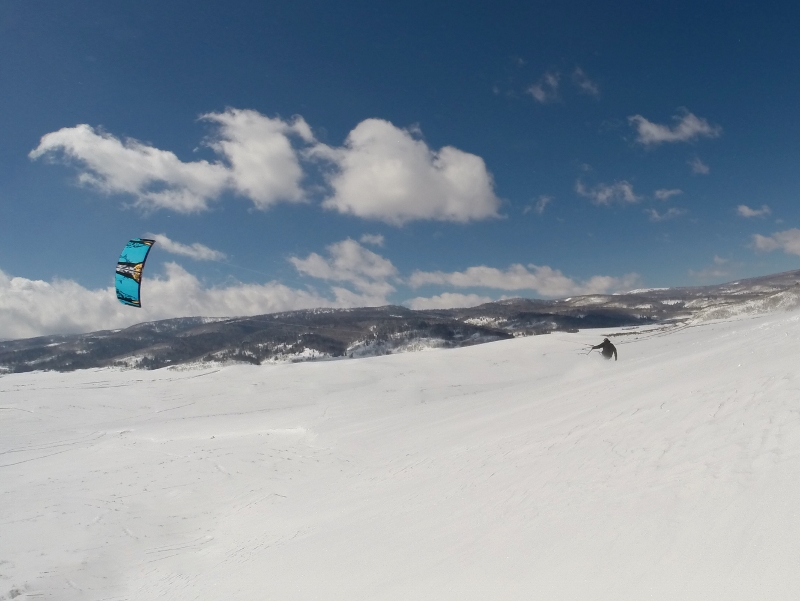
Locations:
(129, 271)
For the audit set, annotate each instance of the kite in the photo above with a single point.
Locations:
(129, 271)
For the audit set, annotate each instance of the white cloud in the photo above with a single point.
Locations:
(156, 178)
(710, 273)
(672, 213)
(373, 239)
(196, 251)
(383, 172)
(546, 89)
(540, 205)
(687, 128)
(541, 279)
(584, 84)
(665, 193)
(788, 241)
(699, 167)
(263, 165)
(35, 307)
(352, 263)
(714, 272)
(606, 194)
(447, 300)
(745, 211)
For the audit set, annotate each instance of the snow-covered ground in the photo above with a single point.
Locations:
(520, 469)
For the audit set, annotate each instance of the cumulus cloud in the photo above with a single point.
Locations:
(541, 279)
(382, 172)
(155, 178)
(386, 173)
(699, 167)
(373, 239)
(447, 300)
(546, 89)
(259, 162)
(264, 166)
(196, 251)
(665, 193)
(687, 128)
(35, 307)
(672, 213)
(606, 194)
(788, 241)
(584, 84)
(745, 211)
(351, 263)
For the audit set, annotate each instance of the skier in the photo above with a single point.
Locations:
(608, 349)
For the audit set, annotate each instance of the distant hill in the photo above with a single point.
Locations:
(330, 333)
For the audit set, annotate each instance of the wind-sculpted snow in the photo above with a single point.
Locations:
(521, 469)
(784, 300)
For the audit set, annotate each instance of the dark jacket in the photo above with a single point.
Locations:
(608, 349)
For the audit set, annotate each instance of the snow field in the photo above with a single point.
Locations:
(519, 469)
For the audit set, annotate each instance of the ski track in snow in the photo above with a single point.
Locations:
(512, 470)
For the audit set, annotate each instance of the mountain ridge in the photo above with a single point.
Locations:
(326, 333)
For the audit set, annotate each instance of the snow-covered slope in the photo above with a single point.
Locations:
(521, 469)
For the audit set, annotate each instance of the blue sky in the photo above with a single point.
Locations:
(432, 154)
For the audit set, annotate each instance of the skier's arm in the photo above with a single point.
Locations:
(598, 346)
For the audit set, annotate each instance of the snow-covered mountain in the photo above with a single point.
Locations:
(521, 469)
(329, 333)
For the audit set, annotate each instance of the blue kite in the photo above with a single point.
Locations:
(129, 271)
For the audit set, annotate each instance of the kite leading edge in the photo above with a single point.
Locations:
(129, 271)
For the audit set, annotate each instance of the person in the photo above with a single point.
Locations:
(608, 349)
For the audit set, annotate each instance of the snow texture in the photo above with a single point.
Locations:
(521, 469)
